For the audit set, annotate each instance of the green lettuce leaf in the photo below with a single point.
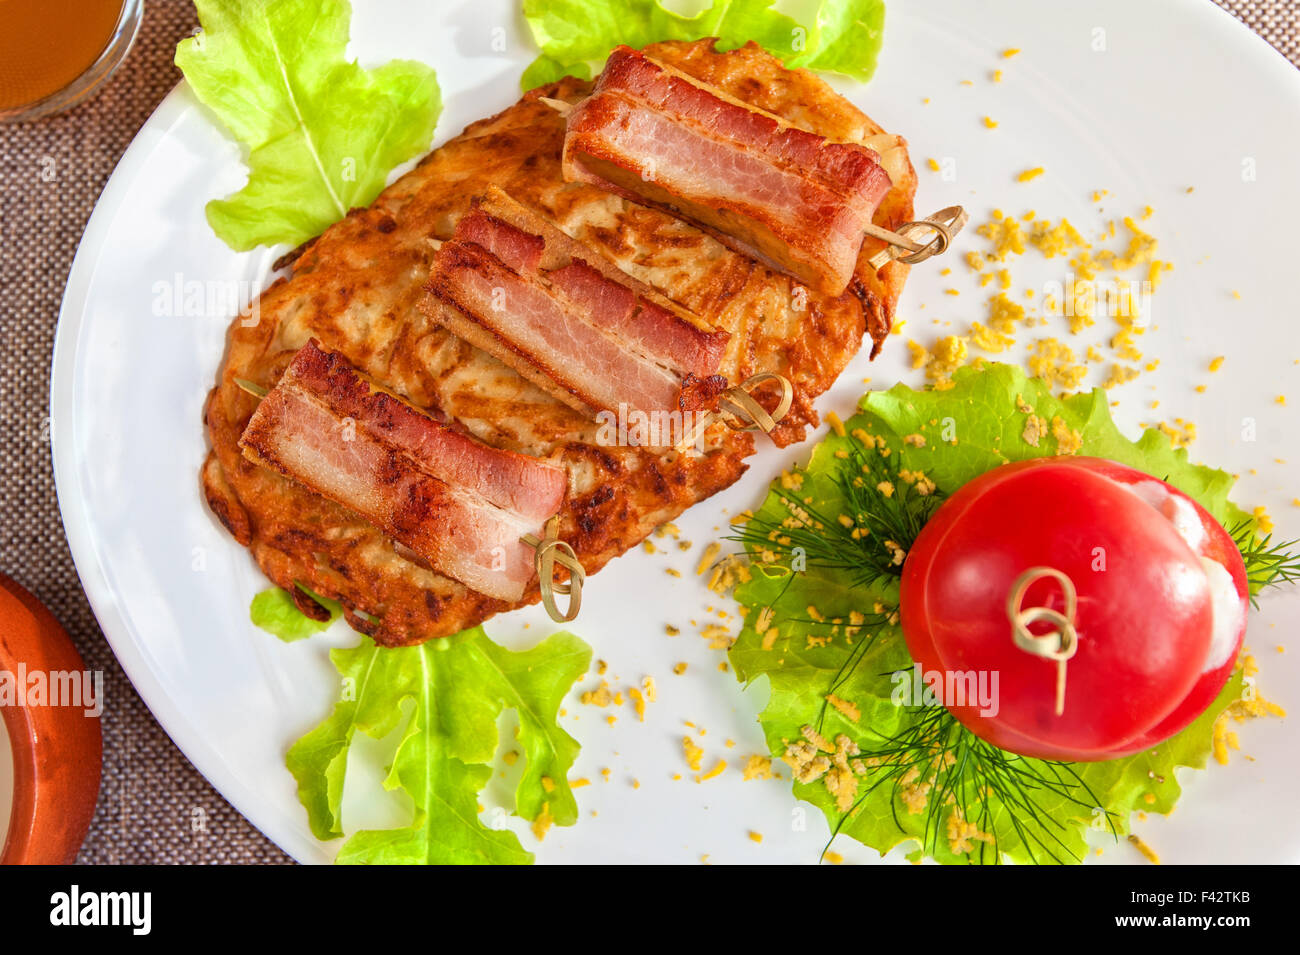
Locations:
(838, 36)
(274, 611)
(322, 133)
(457, 687)
(981, 415)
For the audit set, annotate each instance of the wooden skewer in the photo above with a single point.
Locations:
(1060, 644)
(559, 105)
(740, 403)
(740, 411)
(551, 551)
(252, 387)
(893, 238)
(548, 551)
(944, 224)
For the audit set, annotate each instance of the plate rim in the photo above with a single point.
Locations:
(114, 625)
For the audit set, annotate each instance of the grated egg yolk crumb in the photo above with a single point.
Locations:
(692, 752)
(542, 824)
(718, 768)
(1054, 362)
(1180, 432)
(1145, 849)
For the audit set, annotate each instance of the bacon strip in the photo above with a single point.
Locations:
(533, 325)
(458, 504)
(513, 284)
(790, 198)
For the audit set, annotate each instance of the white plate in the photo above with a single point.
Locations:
(1181, 95)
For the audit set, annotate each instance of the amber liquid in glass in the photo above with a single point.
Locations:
(46, 44)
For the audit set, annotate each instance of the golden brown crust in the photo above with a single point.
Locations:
(356, 289)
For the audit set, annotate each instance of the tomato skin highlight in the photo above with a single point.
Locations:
(1144, 616)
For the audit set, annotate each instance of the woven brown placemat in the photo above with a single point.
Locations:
(154, 807)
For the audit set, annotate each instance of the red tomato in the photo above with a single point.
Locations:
(1161, 605)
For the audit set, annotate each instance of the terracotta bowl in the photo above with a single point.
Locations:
(56, 749)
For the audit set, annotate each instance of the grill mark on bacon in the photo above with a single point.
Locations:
(460, 505)
(788, 197)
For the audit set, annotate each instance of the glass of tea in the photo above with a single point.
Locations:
(56, 53)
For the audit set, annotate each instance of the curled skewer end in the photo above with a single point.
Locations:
(1059, 644)
(906, 244)
(549, 552)
(744, 413)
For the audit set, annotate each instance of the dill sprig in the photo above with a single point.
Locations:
(1267, 564)
(960, 771)
(884, 509)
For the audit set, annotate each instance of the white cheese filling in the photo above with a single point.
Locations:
(1228, 613)
(1175, 509)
